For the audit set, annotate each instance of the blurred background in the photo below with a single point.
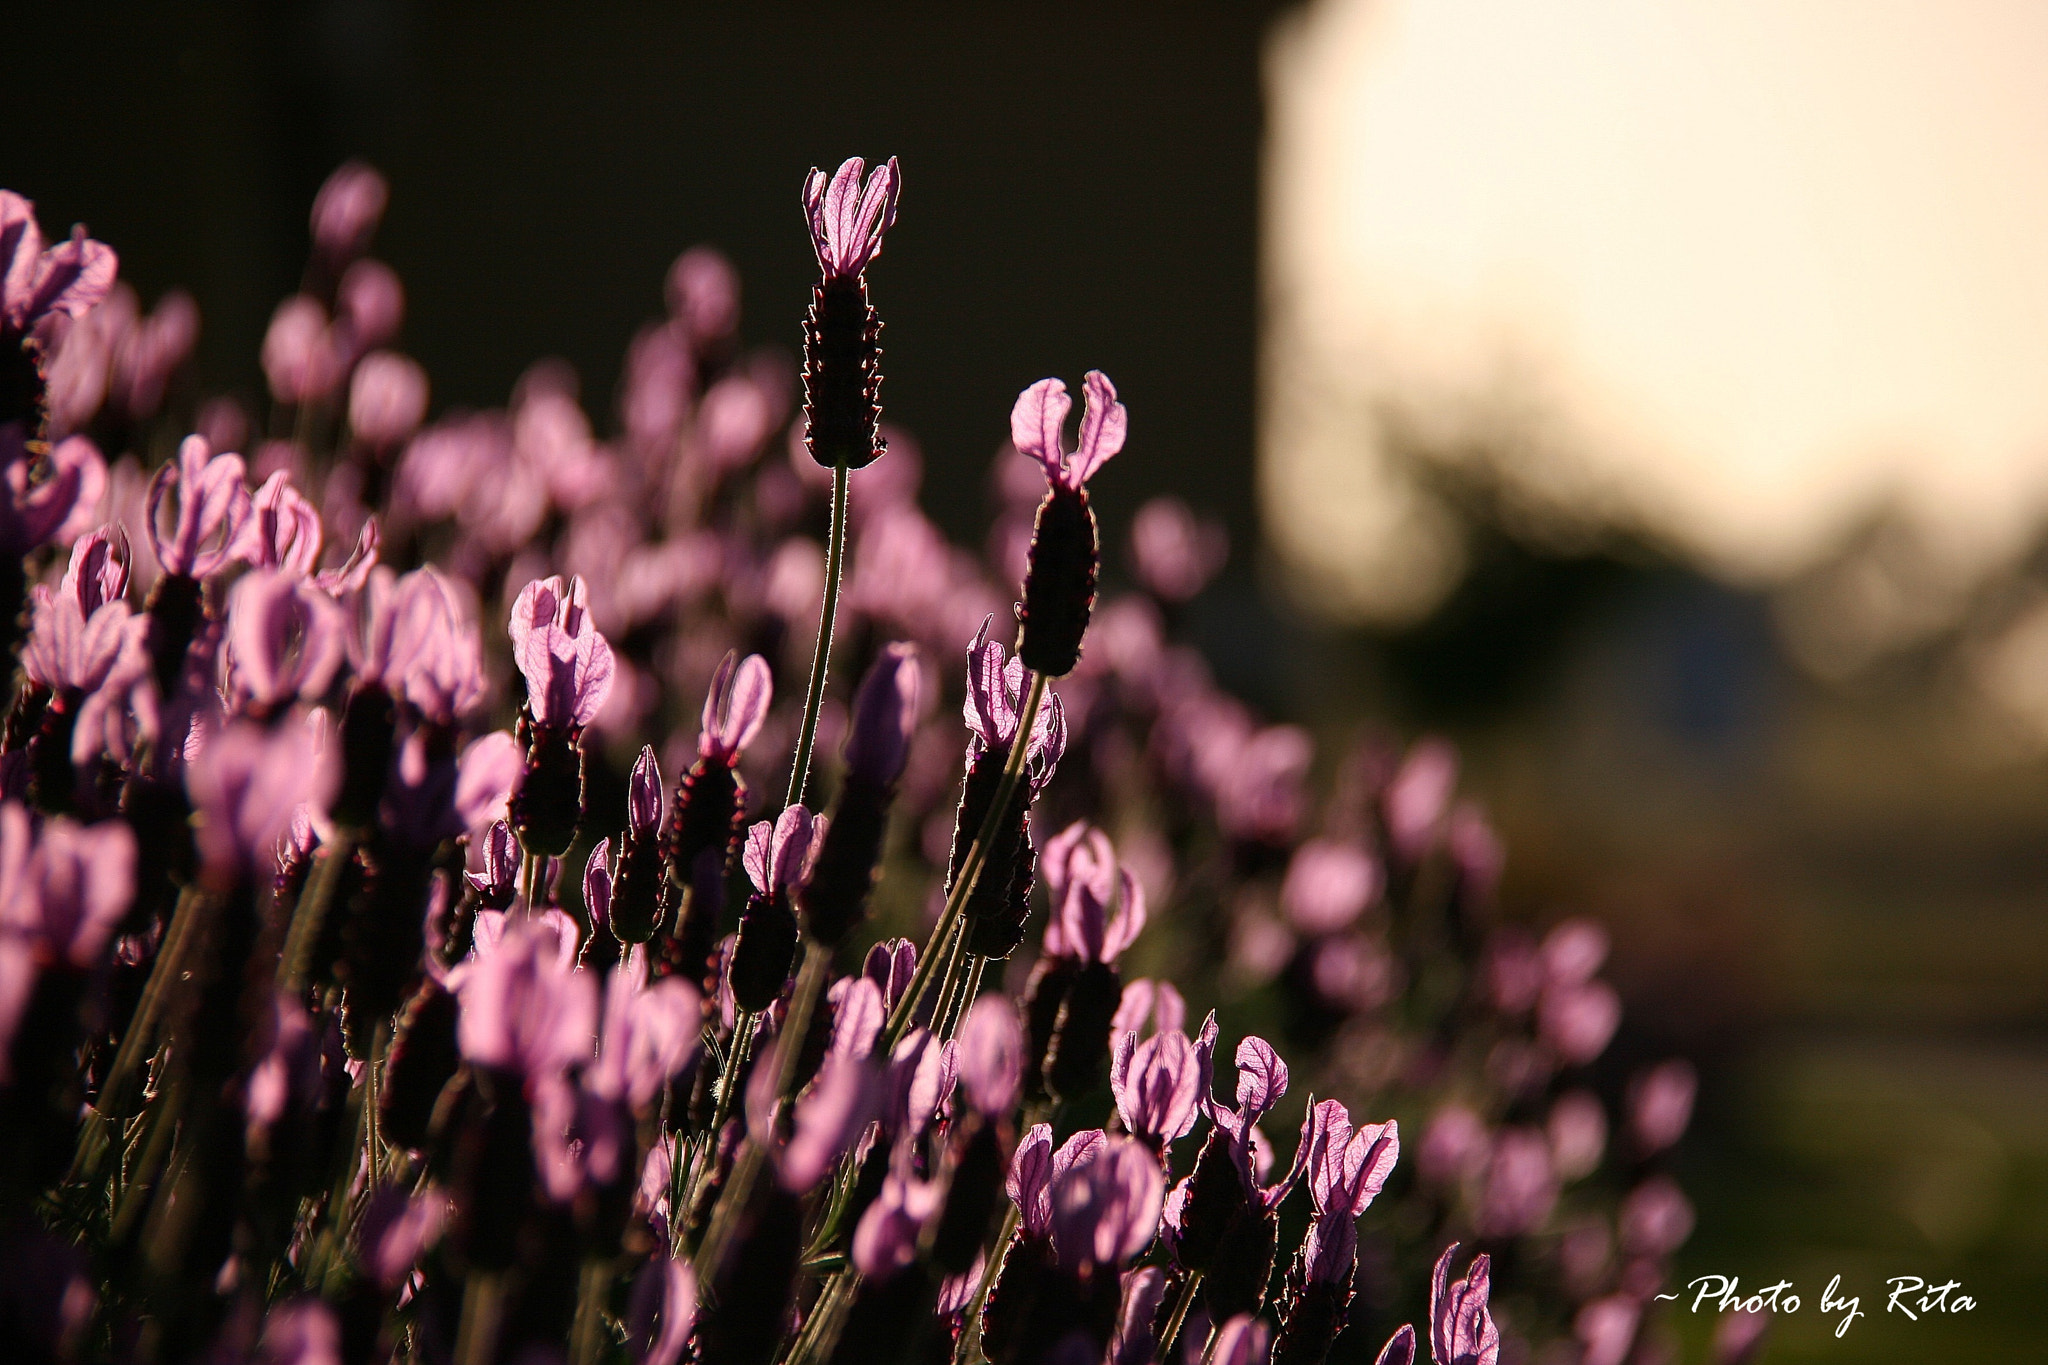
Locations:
(1654, 400)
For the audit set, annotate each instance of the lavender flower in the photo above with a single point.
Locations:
(1461, 1330)
(992, 1055)
(525, 1009)
(1244, 1340)
(283, 530)
(213, 509)
(842, 335)
(1157, 1085)
(284, 640)
(245, 785)
(1065, 556)
(38, 284)
(566, 662)
(35, 511)
(778, 861)
(710, 805)
(347, 210)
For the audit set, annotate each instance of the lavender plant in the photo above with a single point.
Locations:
(338, 1024)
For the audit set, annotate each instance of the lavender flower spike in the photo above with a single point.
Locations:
(848, 218)
(995, 693)
(842, 335)
(213, 508)
(1347, 1167)
(284, 638)
(778, 861)
(1157, 1085)
(1461, 1329)
(1066, 549)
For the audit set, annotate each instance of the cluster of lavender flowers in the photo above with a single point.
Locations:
(337, 1025)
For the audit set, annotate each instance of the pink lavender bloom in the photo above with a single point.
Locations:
(1243, 1340)
(36, 511)
(891, 964)
(1656, 1218)
(1740, 1337)
(1453, 1146)
(398, 1229)
(213, 509)
(1348, 1167)
(995, 697)
(1105, 1204)
(284, 639)
(1514, 971)
(347, 210)
(885, 715)
(1175, 552)
(83, 626)
(643, 794)
(1606, 1328)
(387, 399)
(650, 1033)
(302, 359)
(1573, 952)
(991, 1055)
(150, 352)
(922, 1074)
(735, 707)
(369, 304)
(1578, 1021)
(1416, 802)
(566, 662)
(1461, 1329)
(858, 1013)
(38, 284)
(848, 217)
(1329, 884)
(1660, 1104)
(1146, 1001)
(1157, 1085)
(1080, 871)
(245, 785)
(283, 530)
(703, 292)
(487, 776)
(1040, 414)
(886, 1240)
(1476, 852)
(301, 1331)
(524, 1007)
(778, 857)
(62, 889)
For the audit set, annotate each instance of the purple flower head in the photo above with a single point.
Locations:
(37, 507)
(1106, 1204)
(1144, 1289)
(735, 707)
(1146, 1001)
(1261, 1082)
(597, 882)
(891, 964)
(829, 1116)
(778, 857)
(847, 217)
(1157, 1084)
(1243, 1340)
(301, 1331)
(1175, 552)
(387, 399)
(1461, 1330)
(1347, 1167)
(886, 1240)
(1330, 1251)
(885, 715)
(1029, 1181)
(922, 1074)
(285, 638)
(1080, 872)
(369, 304)
(487, 774)
(82, 878)
(303, 358)
(525, 1007)
(83, 629)
(1400, 1347)
(213, 507)
(995, 695)
(245, 785)
(1573, 952)
(992, 1055)
(283, 530)
(858, 1013)
(37, 284)
(347, 210)
(643, 795)
(1419, 797)
(497, 882)
(398, 1229)
(1040, 415)
(1520, 1188)
(567, 665)
(650, 1033)
(412, 635)
(1660, 1104)
(352, 573)
(703, 292)
(1578, 1021)
(1329, 884)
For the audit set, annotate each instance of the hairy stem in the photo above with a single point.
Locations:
(821, 655)
(1180, 1314)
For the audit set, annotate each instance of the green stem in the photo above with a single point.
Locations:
(587, 1334)
(821, 1328)
(970, 870)
(316, 903)
(1180, 1314)
(482, 1304)
(140, 1040)
(821, 656)
(969, 1350)
(956, 1007)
